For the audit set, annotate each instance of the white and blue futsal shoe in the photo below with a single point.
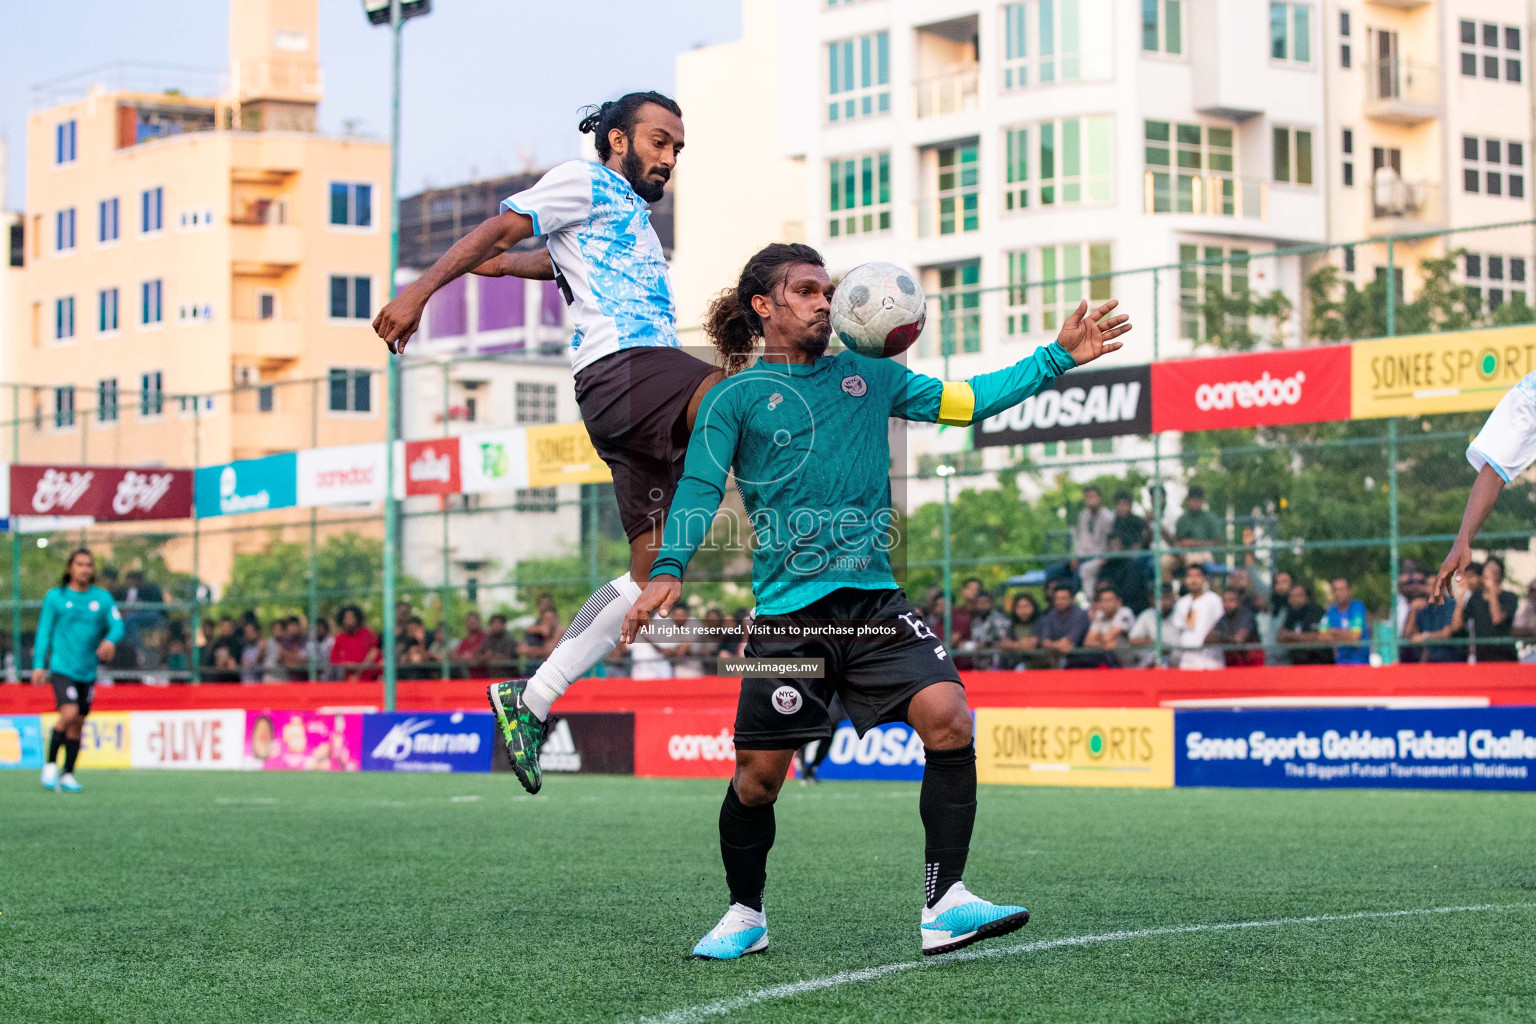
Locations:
(741, 931)
(68, 784)
(50, 775)
(959, 919)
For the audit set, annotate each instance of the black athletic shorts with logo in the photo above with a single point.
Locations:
(874, 678)
(635, 404)
(72, 691)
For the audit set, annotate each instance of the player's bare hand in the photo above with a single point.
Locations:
(1090, 335)
(39, 677)
(658, 597)
(1459, 558)
(399, 319)
(106, 650)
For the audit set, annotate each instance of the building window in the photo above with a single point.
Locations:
(64, 406)
(266, 398)
(958, 189)
(106, 220)
(1293, 155)
(859, 77)
(1201, 270)
(960, 308)
(1162, 26)
(64, 230)
(1048, 41)
(266, 305)
(1344, 53)
(1068, 165)
(64, 142)
(534, 403)
(106, 400)
(64, 318)
(860, 194)
(351, 390)
(151, 210)
(1348, 148)
(151, 294)
(1062, 270)
(351, 204)
(1290, 31)
(1497, 278)
(1190, 170)
(1349, 259)
(1493, 167)
(1491, 51)
(106, 310)
(151, 394)
(351, 297)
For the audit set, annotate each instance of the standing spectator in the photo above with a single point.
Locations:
(1525, 623)
(355, 650)
(1270, 616)
(293, 649)
(1487, 615)
(960, 620)
(539, 639)
(1236, 630)
(144, 618)
(226, 650)
(1090, 538)
(177, 657)
(1107, 633)
(1347, 620)
(253, 653)
(322, 643)
(1144, 632)
(1063, 628)
(686, 660)
(1023, 621)
(989, 627)
(412, 653)
(1429, 621)
(1197, 533)
(468, 649)
(1133, 531)
(1127, 575)
(1280, 593)
(1193, 616)
(935, 613)
(1411, 584)
(717, 636)
(650, 657)
(497, 654)
(1300, 625)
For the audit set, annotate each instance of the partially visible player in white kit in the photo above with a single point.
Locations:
(637, 389)
(1502, 450)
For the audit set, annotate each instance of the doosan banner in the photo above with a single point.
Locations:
(101, 492)
(1079, 404)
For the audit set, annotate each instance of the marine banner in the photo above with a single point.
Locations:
(449, 741)
(1075, 746)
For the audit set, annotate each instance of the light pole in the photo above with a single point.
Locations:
(393, 13)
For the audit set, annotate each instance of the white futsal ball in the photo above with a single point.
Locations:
(879, 309)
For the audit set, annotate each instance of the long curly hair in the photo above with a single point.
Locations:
(730, 322)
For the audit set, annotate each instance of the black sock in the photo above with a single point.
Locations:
(55, 742)
(948, 806)
(746, 836)
(71, 751)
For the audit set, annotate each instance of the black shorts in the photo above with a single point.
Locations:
(72, 691)
(874, 678)
(635, 404)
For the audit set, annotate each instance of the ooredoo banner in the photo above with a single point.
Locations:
(21, 741)
(449, 741)
(892, 752)
(302, 741)
(1079, 404)
(1259, 389)
(101, 492)
(350, 474)
(1075, 746)
(685, 744)
(186, 739)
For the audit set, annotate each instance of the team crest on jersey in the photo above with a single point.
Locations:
(855, 386)
(774, 400)
(786, 700)
(95, 606)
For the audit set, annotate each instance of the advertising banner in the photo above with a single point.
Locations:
(101, 492)
(1260, 389)
(105, 738)
(432, 467)
(562, 453)
(1456, 371)
(351, 474)
(302, 741)
(685, 744)
(887, 752)
(601, 742)
(493, 460)
(1075, 746)
(249, 485)
(1448, 748)
(1079, 404)
(21, 741)
(453, 741)
(186, 739)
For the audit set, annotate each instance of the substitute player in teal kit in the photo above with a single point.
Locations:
(78, 629)
(807, 437)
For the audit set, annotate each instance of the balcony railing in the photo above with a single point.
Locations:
(1214, 195)
(1402, 91)
(947, 94)
(953, 213)
(1392, 197)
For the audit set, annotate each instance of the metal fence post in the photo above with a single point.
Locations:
(197, 579)
(447, 590)
(1392, 503)
(15, 535)
(1157, 500)
(313, 647)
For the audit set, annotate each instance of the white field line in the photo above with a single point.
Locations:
(701, 1011)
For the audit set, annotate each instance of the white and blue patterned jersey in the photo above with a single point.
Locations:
(600, 237)
(1507, 441)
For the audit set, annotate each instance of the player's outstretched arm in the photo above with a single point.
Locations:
(1485, 491)
(398, 320)
(533, 264)
(1090, 335)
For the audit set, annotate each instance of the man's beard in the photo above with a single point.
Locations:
(644, 187)
(815, 343)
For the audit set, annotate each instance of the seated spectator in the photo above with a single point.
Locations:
(1062, 629)
(1487, 615)
(1426, 623)
(1411, 583)
(177, 656)
(717, 635)
(258, 654)
(293, 649)
(355, 650)
(1149, 624)
(989, 627)
(497, 653)
(1237, 626)
(1198, 532)
(539, 639)
(1194, 615)
(1108, 632)
(686, 662)
(322, 644)
(1347, 620)
(1241, 580)
(413, 654)
(1132, 530)
(1299, 626)
(1271, 613)
(467, 650)
(965, 608)
(1525, 623)
(1021, 642)
(1127, 576)
(1090, 538)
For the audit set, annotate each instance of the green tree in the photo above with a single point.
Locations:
(275, 582)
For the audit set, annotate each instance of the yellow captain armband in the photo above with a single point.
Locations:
(957, 403)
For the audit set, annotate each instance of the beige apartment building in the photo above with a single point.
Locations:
(201, 266)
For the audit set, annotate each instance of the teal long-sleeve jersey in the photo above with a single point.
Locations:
(810, 447)
(72, 624)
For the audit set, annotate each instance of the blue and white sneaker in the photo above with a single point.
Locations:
(50, 775)
(959, 919)
(741, 931)
(68, 784)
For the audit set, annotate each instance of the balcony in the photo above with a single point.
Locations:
(1402, 92)
(1399, 5)
(948, 93)
(956, 213)
(264, 249)
(289, 78)
(266, 342)
(1400, 206)
(1212, 195)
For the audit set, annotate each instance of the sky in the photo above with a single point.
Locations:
(489, 86)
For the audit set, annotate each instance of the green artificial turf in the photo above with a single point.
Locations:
(160, 896)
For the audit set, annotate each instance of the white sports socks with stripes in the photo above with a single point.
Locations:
(592, 635)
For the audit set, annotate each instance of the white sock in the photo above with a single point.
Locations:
(592, 635)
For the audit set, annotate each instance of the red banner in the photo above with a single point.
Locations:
(103, 492)
(432, 467)
(685, 744)
(1261, 389)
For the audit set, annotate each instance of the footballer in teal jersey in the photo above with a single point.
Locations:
(806, 437)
